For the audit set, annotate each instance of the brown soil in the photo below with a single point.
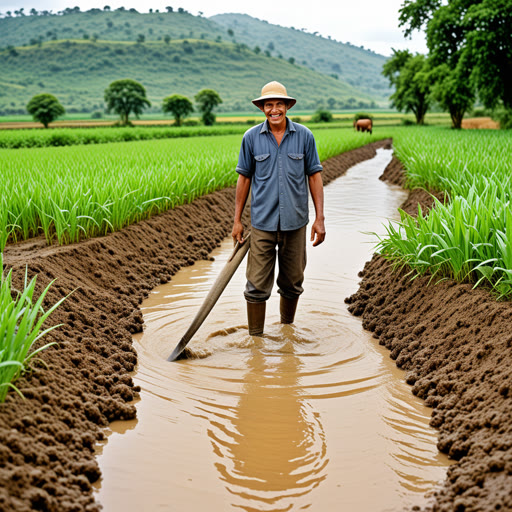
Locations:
(480, 123)
(47, 440)
(456, 345)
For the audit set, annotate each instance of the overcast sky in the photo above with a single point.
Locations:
(370, 23)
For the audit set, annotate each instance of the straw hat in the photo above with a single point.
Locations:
(274, 90)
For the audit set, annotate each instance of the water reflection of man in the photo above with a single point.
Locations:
(271, 447)
(278, 162)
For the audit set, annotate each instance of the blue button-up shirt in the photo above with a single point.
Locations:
(279, 175)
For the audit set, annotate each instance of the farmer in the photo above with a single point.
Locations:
(278, 160)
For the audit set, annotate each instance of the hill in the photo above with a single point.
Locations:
(78, 72)
(358, 67)
(75, 55)
(118, 25)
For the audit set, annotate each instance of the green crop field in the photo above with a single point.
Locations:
(469, 239)
(40, 137)
(75, 192)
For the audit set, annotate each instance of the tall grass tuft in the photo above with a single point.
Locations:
(21, 325)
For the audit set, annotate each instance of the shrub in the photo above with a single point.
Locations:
(322, 116)
(504, 117)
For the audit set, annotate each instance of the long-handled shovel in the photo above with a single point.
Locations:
(220, 284)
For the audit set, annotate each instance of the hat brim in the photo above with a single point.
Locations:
(261, 100)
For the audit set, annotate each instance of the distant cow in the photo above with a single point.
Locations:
(363, 125)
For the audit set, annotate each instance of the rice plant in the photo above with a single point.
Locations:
(75, 192)
(21, 325)
(469, 239)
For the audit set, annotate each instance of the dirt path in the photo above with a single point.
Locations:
(47, 441)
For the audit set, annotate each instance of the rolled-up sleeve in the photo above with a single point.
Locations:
(245, 165)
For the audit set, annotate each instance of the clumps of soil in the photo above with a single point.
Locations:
(394, 174)
(456, 345)
(83, 382)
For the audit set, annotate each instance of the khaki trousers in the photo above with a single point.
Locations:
(290, 249)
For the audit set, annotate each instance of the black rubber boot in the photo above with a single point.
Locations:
(287, 308)
(256, 317)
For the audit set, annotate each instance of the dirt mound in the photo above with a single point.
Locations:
(480, 123)
(455, 343)
(47, 440)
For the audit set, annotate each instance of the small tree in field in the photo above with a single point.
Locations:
(179, 106)
(45, 108)
(409, 74)
(124, 97)
(207, 100)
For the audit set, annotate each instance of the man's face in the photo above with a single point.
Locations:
(275, 112)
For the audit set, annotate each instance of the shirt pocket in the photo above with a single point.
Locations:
(262, 165)
(296, 164)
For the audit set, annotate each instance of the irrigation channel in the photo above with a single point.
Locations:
(310, 416)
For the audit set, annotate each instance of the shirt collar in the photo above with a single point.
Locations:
(290, 127)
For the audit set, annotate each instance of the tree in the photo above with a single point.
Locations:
(124, 97)
(179, 106)
(476, 31)
(207, 100)
(409, 74)
(45, 108)
(322, 116)
(141, 38)
(453, 91)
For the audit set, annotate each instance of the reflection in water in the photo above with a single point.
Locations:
(273, 449)
(312, 416)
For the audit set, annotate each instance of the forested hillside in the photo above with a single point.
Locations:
(75, 55)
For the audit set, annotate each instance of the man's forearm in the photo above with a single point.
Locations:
(316, 188)
(243, 185)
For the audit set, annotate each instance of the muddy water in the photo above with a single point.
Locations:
(310, 416)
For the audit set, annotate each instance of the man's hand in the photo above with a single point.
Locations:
(317, 232)
(238, 232)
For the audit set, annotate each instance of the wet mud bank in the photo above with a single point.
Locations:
(455, 344)
(83, 382)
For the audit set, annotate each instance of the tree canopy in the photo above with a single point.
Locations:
(179, 106)
(124, 97)
(476, 32)
(409, 74)
(207, 100)
(453, 91)
(45, 108)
